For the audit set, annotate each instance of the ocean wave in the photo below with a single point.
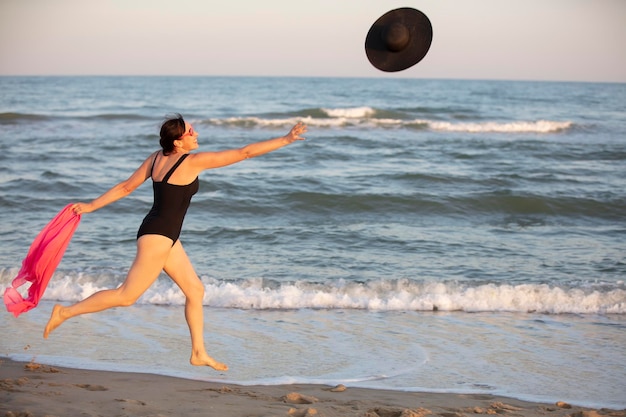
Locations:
(539, 126)
(607, 206)
(350, 113)
(399, 295)
(116, 116)
(377, 295)
(13, 118)
(350, 117)
(368, 117)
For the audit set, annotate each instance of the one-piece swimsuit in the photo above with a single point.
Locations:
(170, 205)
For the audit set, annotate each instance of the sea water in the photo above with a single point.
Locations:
(429, 235)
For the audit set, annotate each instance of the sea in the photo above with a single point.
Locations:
(461, 236)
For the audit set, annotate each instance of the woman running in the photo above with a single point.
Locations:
(174, 172)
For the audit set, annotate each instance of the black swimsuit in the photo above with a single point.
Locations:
(170, 205)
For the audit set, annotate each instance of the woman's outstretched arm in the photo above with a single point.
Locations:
(208, 160)
(119, 190)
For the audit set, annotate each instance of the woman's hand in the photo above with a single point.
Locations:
(82, 208)
(295, 132)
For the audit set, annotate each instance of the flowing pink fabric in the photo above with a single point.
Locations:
(42, 259)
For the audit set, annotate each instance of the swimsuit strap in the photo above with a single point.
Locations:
(171, 171)
(153, 161)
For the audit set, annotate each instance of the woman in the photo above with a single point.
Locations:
(174, 172)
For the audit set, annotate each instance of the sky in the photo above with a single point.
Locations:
(552, 40)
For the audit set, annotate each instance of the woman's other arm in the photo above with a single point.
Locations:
(118, 191)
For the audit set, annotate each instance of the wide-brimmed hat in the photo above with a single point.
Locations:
(399, 39)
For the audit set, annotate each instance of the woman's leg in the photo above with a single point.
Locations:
(152, 251)
(179, 268)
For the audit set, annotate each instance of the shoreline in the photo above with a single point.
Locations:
(33, 389)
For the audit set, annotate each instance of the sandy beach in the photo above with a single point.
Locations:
(32, 389)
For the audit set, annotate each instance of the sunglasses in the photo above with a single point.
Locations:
(190, 133)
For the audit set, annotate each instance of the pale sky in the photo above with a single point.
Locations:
(562, 40)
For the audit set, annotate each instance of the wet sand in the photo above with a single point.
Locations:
(32, 389)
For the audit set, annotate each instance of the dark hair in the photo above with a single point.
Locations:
(171, 129)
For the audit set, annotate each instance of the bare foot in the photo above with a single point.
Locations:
(203, 359)
(55, 320)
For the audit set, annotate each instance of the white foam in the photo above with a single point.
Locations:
(279, 123)
(364, 117)
(416, 296)
(382, 295)
(539, 126)
(399, 296)
(350, 113)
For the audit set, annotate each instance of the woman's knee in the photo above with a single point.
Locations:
(127, 302)
(196, 290)
(126, 299)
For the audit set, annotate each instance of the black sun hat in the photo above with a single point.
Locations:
(399, 39)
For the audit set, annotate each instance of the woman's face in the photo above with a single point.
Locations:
(189, 139)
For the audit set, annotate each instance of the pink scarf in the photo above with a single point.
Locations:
(43, 257)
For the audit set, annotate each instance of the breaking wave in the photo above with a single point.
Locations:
(367, 117)
(379, 295)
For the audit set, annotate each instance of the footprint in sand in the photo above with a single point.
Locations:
(296, 398)
(90, 387)
(136, 402)
(309, 412)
